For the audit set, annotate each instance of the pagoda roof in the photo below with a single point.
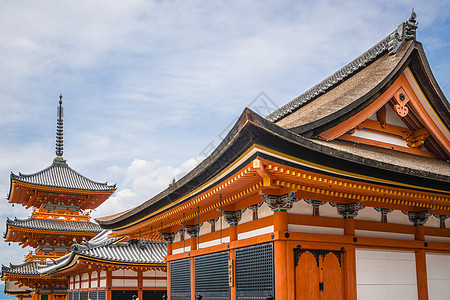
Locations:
(52, 225)
(110, 250)
(27, 268)
(60, 175)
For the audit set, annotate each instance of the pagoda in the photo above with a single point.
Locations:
(61, 200)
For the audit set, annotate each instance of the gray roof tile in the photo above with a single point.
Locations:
(60, 175)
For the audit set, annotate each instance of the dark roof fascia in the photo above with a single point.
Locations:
(315, 128)
(253, 129)
(428, 84)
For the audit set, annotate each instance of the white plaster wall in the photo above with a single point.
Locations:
(368, 214)
(94, 275)
(327, 210)
(256, 232)
(124, 272)
(386, 275)
(433, 222)
(85, 284)
(94, 283)
(438, 275)
(103, 283)
(315, 229)
(84, 276)
(393, 118)
(386, 235)
(264, 211)
(205, 228)
(177, 237)
(124, 282)
(154, 273)
(370, 135)
(77, 281)
(181, 250)
(103, 274)
(301, 208)
(154, 283)
(224, 240)
(247, 216)
(439, 239)
(397, 217)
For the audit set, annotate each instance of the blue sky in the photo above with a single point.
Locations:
(148, 85)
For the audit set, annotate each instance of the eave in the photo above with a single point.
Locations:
(249, 138)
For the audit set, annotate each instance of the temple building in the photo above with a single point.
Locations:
(60, 199)
(342, 193)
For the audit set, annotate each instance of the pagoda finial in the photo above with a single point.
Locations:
(59, 129)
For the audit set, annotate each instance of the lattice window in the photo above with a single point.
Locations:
(211, 276)
(102, 295)
(92, 295)
(123, 295)
(180, 279)
(255, 272)
(153, 295)
(84, 296)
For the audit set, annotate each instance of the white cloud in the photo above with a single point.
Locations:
(143, 180)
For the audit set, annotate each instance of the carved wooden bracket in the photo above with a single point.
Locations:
(279, 203)
(417, 139)
(401, 99)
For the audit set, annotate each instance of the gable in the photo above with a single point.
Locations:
(401, 119)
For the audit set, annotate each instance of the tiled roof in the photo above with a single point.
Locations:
(28, 268)
(108, 249)
(54, 225)
(390, 44)
(60, 175)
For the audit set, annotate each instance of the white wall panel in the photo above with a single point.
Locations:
(315, 229)
(256, 232)
(301, 208)
(387, 275)
(124, 282)
(327, 210)
(368, 214)
(103, 283)
(386, 235)
(438, 274)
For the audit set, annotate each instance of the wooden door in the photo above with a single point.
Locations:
(318, 275)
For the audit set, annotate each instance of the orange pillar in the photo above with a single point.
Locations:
(233, 288)
(421, 266)
(280, 219)
(233, 232)
(140, 284)
(108, 284)
(350, 272)
(168, 278)
(169, 249)
(349, 226)
(193, 242)
(192, 279)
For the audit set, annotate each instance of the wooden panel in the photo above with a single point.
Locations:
(438, 266)
(307, 277)
(387, 275)
(332, 278)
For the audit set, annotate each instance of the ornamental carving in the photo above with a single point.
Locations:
(279, 203)
(192, 230)
(349, 210)
(232, 217)
(442, 219)
(418, 217)
(384, 212)
(168, 237)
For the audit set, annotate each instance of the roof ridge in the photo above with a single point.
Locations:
(392, 43)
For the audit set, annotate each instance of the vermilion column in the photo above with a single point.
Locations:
(140, 284)
(192, 279)
(280, 219)
(421, 266)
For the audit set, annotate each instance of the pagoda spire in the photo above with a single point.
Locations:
(59, 129)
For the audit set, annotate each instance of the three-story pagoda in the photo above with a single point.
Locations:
(61, 200)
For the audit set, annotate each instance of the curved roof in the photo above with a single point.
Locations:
(52, 225)
(111, 250)
(28, 268)
(251, 129)
(60, 175)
